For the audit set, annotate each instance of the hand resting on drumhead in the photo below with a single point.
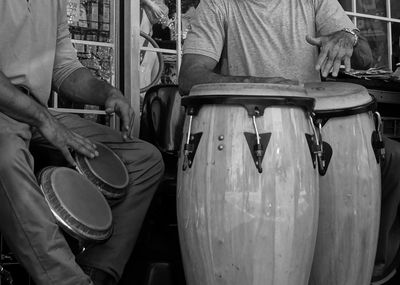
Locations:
(26, 109)
(65, 140)
(338, 48)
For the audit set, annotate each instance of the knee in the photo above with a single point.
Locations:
(153, 157)
(145, 157)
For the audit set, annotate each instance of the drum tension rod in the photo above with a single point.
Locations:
(318, 146)
(188, 147)
(258, 148)
(377, 140)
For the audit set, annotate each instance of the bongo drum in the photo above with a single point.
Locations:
(247, 199)
(79, 208)
(106, 171)
(350, 184)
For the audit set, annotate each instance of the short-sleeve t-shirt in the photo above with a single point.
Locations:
(35, 44)
(264, 37)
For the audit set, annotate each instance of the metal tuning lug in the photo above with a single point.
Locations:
(190, 147)
(258, 149)
(320, 149)
(187, 148)
(258, 144)
(377, 140)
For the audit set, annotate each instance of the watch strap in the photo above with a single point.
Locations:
(353, 32)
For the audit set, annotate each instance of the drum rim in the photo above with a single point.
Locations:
(258, 89)
(77, 228)
(193, 101)
(109, 190)
(347, 111)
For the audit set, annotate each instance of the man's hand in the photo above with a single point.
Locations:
(117, 103)
(334, 49)
(65, 140)
(156, 11)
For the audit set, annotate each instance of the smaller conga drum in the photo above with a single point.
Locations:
(247, 190)
(106, 171)
(78, 206)
(350, 184)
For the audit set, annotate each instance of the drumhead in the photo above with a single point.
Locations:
(76, 203)
(108, 167)
(338, 95)
(253, 97)
(106, 171)
(253, 89)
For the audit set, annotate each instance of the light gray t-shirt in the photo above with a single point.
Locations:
(264, 37)
(35, 44)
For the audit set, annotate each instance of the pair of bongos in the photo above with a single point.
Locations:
(79, 198)
(279, 185)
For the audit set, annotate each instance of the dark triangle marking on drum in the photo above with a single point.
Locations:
(378, 146)
(312, 147)
(326, 158)
(191, 149)
(257, 151)
(326, 154)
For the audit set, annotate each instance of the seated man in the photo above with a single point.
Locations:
(37, 53)
(286, 42)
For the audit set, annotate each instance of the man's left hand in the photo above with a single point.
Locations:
(334, 49)
(117, 103)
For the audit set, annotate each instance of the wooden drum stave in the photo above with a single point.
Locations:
(350, 185)
(247, 208)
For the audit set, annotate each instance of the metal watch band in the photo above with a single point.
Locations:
(353, 32)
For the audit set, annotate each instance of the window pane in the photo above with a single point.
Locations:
(372, 7)
(395, 8)
(346, 4)
(89, 20)
(375, 32)
(395, 44)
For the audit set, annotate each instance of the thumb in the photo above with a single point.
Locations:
(314, 41)
(109, 110)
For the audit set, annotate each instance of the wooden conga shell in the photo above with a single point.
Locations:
(349, 191)
(238, 226)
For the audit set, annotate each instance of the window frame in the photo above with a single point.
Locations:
(354, 16)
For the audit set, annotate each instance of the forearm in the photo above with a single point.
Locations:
(82, 87)
(362, 55)
(19, 106)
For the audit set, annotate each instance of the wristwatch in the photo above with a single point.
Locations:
(354, 33)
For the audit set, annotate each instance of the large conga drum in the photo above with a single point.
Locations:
(247, 199)
(77, 205)
(350, 184)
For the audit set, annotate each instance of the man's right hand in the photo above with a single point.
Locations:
(65, 140)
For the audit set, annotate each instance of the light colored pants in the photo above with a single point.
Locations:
(29, 227)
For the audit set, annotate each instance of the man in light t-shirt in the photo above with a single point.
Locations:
(265, 41)
(288, 42)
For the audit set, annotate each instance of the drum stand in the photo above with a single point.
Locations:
(6, 276)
